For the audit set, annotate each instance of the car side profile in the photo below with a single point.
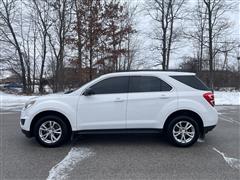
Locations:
(177, 104)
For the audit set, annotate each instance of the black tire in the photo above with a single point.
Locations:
(65, 132)
(173, 125)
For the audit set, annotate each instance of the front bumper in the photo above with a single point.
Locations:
(25, 120)
(25, 123)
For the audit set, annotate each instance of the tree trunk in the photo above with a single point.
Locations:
(164, 38)
(210, 47)
(43, 63)
(79, 42)
(169, 41)
(34, 63)
(23, 75)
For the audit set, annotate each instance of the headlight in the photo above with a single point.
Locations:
(29, 104)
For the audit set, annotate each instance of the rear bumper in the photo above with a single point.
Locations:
(27, 133)
(208, 128)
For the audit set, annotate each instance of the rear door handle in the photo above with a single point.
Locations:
(118, 100)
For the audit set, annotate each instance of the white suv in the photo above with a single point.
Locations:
(175, 103)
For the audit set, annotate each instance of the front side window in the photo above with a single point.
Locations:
(147, 84)
(111, 86)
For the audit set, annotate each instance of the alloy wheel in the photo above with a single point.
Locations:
(50, 132)
(183, 132)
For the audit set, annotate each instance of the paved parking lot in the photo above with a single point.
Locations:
(122, 156)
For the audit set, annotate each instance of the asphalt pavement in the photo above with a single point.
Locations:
(123, 156)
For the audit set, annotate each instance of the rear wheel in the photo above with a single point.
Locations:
(51, 131)
(183, 131)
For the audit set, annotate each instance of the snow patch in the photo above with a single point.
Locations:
(12, 102)
(232, 162)
(62, 169)
(227, 98)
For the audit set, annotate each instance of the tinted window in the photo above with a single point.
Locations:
(111, 85)
(147, 84)
(192, 81)
(165, 86)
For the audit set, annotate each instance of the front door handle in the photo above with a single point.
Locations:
(118, 100)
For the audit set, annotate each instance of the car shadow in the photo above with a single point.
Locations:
(119, 139)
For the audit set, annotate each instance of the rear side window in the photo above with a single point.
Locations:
(147, 84)
(111, 86)
(192, 81)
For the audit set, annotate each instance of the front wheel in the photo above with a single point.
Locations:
(183, 131)
(51, 131)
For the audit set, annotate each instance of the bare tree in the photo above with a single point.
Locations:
(9, 35)
(165, 13)
(62, 18)
(198, 22)
(43, 21)
(35, 36)
(217, 24)
(80, 39)
(25, 37)
(226, 50)
(132, 41)
(92, 32)
(117, 30)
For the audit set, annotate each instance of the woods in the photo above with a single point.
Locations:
(165, 14)
(66, 43)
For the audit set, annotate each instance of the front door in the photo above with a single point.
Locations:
(106, 107)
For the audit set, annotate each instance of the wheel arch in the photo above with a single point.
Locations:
(52, 113)
(185, 112)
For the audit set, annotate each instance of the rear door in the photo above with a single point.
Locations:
(147, 96)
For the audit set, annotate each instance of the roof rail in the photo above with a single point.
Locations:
(178, 70)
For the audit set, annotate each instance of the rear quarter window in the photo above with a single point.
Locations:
(192, 81)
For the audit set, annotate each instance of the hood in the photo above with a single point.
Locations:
(49, 96)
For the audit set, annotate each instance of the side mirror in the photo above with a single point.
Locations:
(88, 92)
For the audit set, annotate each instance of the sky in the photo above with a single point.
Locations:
(145, 25)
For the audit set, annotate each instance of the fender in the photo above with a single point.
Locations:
(178, 105)
(67, 109)
(195, 106)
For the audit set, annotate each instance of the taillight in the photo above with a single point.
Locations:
(210, 98)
